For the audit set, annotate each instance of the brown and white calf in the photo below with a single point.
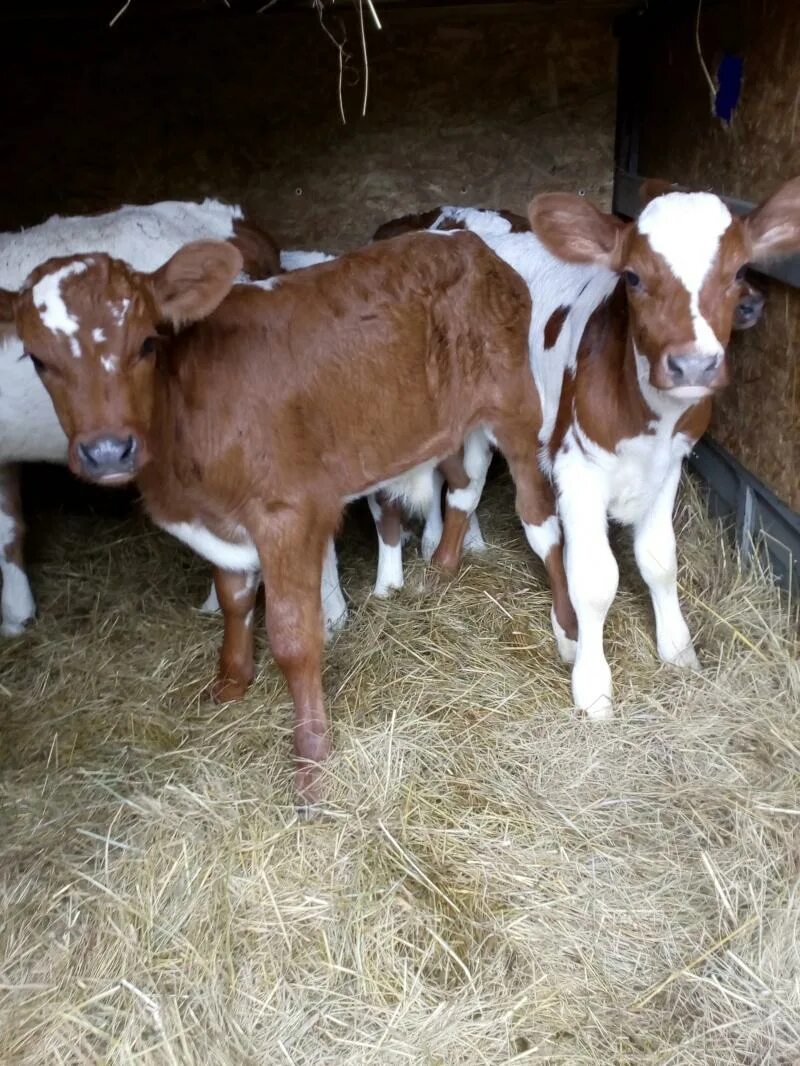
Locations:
(251, 428)
(464, 489)
(629, 329)
(144, 235)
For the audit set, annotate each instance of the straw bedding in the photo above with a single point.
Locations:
(493, 880)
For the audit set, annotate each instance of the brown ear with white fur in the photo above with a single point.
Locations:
(195, 281)
(575, 230)
(773, 227)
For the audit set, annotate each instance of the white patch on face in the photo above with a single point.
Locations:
(118, 311)
(98, 336)
(75, 348)
(685, 230)
(49, 302)
(109, 363)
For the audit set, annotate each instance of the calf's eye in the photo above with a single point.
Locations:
(148, 347)
(741, 272)
(632, 279)
(38, 365)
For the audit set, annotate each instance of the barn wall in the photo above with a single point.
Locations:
(462, 108)
(759, 417)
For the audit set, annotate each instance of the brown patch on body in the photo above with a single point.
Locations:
(552, 327)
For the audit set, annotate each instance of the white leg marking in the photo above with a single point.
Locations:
(211, 602)
(473, 538)
(592, 576)
(334, 607)
(654, 545)
(16, 601)
(541, 539)
(432, 532)
(544, 536)
(390, 556)
(567, 648)
(477, 458)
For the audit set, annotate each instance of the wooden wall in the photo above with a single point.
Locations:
(759, 418)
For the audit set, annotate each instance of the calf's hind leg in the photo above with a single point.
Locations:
(536, 508)
(236, 593)
(465, 478)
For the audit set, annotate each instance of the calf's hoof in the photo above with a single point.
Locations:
(446, 562)
(225, 689)
(600, 710)
(15, 627)
(685, 659)
(334, 623)
(385, 590)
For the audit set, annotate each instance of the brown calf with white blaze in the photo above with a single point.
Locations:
(250, 429)
(629, 328)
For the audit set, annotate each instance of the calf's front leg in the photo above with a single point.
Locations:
(291, 547)
(592, 576)
(654, 547)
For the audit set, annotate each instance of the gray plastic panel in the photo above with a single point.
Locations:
(764, 527)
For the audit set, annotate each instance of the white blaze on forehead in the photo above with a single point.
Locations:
(49, 302)
(685, 230)
(118, 311)
(98, 336)
(109, 363)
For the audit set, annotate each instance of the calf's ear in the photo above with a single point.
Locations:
(574, 230)
(773, 228)
(195, 281)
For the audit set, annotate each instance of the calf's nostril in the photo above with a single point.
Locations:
(674, 366)
(86, 456)
(128, 449)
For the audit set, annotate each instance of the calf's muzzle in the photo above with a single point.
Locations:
(108, 457)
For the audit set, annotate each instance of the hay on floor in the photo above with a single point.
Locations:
(496, 880)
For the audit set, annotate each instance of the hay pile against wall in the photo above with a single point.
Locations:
(759, 418)
(461, 109)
